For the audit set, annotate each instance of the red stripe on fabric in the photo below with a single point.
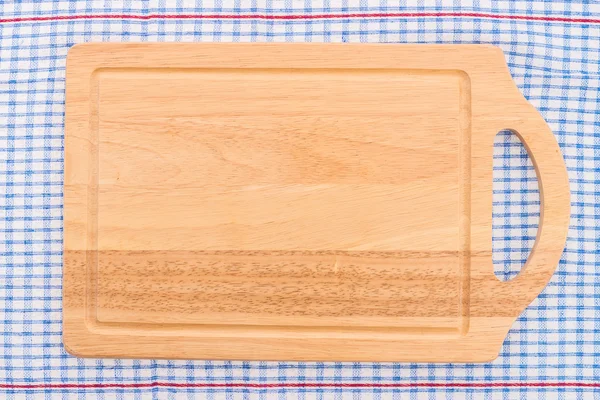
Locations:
(283, 385)
(305, 17)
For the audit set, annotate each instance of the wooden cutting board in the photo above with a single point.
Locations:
(294, 202)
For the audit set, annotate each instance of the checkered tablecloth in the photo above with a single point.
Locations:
(553, 51)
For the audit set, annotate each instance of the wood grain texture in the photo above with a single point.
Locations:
(294, 202)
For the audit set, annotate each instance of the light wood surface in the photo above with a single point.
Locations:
(294, 202)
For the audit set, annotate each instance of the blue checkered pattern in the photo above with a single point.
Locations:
(552, 351)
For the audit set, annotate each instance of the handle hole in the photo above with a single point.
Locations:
(516, 206)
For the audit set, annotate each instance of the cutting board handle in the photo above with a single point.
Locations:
(553, 183)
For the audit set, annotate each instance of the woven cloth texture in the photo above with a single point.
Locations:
(553, 52)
